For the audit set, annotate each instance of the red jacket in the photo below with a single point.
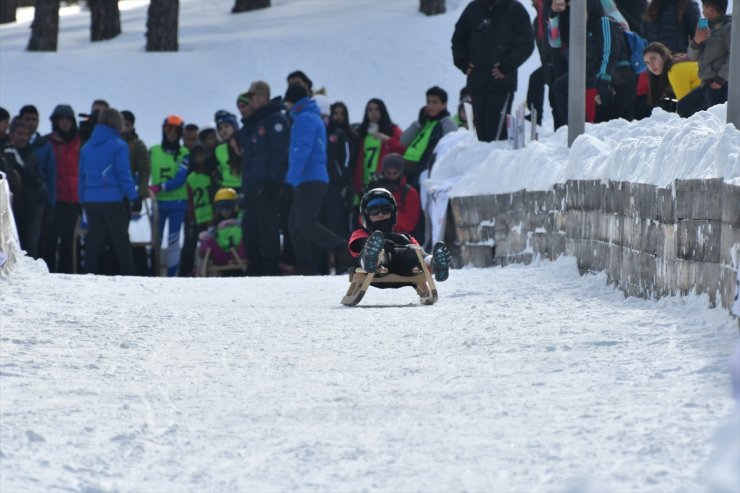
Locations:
(409, 207)
(359, 236)
(391, 145)
(67, 155)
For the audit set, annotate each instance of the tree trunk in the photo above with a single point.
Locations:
(105, 19)
(7, 11)
(161, 25)
(432, 7)
(247, 5)
(45, 26)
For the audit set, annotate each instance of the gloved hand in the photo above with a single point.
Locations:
(390, 248)
(136, 206)
(155, 189)
(605, 91)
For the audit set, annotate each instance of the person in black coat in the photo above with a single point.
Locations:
(492, 39)
(30, 194)
(265, 140)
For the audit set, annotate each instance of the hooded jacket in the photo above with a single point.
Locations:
(491, 32)
(105, 170)
(66, 149)
(307, 160)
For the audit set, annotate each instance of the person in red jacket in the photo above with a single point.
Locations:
(65, 143)
(379, 213)
(407, 198)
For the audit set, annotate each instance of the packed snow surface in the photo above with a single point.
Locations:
(518, 379)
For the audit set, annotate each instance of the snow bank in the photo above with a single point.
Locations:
(655, 151)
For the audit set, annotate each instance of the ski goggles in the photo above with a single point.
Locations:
(374, 210)
(225, 204)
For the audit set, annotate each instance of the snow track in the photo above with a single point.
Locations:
(519, 379)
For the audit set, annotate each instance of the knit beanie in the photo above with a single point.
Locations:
(295, 93)
(392, 161)
(223, 116)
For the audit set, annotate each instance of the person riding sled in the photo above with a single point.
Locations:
(379, 213)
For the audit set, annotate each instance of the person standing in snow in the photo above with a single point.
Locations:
(308, 176)
(104, 180)
(65, 143)
(228, 153)
(40, 216)
(265, 139)
(169, 172)
(492, 39)
(29, 193)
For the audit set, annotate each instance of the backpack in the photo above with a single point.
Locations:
(636, 46)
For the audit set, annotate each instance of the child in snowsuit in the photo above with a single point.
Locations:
(224, 238)
(200, 188)
(378, 212)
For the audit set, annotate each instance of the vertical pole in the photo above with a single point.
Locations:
(733, 84)
(577, 70)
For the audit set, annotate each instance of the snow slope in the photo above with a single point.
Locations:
(357, 49)
(520, 379)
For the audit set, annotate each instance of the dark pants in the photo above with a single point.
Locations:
(623, 105)
(60, 239)
(335, 215)
(488, 109)
(29, 226)
(261, 228)
(701, 98)
(306, 230)
(113, 218)
(187, 256)
(536, 93)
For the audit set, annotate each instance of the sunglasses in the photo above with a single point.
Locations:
(379, 209)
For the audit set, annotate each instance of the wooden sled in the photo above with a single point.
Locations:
(209, 269)
(422, 281)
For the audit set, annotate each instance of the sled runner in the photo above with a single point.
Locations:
(421, 281)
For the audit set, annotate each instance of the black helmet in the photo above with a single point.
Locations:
(374, 200)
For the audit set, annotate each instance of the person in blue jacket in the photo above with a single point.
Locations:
(104, 180)
(309, 178)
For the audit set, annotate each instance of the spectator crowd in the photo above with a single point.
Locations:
(276, 189)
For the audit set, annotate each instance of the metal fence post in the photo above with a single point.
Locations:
(577, 70)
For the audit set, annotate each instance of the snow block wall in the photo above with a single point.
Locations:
(650, 241)
(9, 245)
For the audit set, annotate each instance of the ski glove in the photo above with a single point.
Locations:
(605, 91)
(155, 189)
(136, 206)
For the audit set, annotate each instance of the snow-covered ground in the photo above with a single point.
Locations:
(519, 379)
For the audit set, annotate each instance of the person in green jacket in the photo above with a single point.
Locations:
(228, 153)
(169, 171)
(201, 188)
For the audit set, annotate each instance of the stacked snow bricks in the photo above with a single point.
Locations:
(650, 241)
